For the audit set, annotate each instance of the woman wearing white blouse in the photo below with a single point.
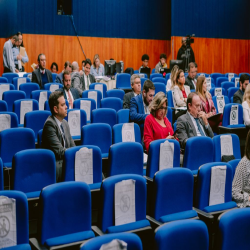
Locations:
(172, 80)
(246, 106)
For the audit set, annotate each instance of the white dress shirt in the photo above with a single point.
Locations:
(86, 81)
(67, 94)
(246, 113)
(146, 109)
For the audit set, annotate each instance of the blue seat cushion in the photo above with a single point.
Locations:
(69, 238)
(19, 247)
(35, 194)
(236, 126)
(128, 227)
(105, 155)
(95, 186)
(220, 207)
(178, 216)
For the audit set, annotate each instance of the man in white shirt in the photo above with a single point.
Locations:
(135, 82)
(191, 78)
(8, 59)
(194, 122)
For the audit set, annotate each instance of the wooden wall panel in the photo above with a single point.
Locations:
(63, 48)
(218, 55)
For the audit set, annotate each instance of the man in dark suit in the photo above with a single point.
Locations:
(139, 105)
(238, 95)
(70, 94)
(194, 122)
(191, 78)
(86, 79)
(135, 82)
(41, 75)
(56, 133)
(68, 67)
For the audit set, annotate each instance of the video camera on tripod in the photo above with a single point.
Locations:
(189, 40)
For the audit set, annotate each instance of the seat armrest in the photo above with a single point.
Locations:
(36, 245)
(153, 222)
(97, 231)
(148, 179)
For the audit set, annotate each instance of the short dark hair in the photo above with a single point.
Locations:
(191, 65)
(243, 78)
(88, 61)
(53, 100)
(190, 98)
(20, 34)
(54, 64)
(148, 85)
(38, 58)
(145, 57)
(247, 146)
(196, 66)
(66, 72)
(83, 61)
(163, 55)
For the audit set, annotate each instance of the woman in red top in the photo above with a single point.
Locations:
(157, 126)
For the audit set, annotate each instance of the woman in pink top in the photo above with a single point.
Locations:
(157, 126)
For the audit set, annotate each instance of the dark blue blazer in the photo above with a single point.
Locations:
(136, 112)
(74, 92)
(59, 78)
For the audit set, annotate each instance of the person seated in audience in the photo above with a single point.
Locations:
(240, 188)
(145, 59)
(238, 95)
(68, 67)
(191, 78)
(196, 70)
(70, 94)
(16, 53)
(161, 64)
(246, 106)
(56, 133)
(41, 75)
(135, 81)
(157, 125)
(194, 122)
(97, 69)
(139, 105)
(54, 67)
(76, 77)
(172, 80)
(180, 93)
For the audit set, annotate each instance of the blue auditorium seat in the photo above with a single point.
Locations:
(212, 91)
(28, 88)
(3, 106)
(226, 85)
(123, 116)
(10, 76)
(234, 164)
(1, 175)
(231, 91)
(104, 115)
(11, 96)
(13, 119)
(226, 100)
(159, 79)
(142, 82)
(36, 95)
(112, 102)
(155, 75)
(54, 75)
(119, 93)
(77, 105)
(16, 80)
(53, 85)
(220, 80)
(123, 81)
(3, 80)
(160, 87)
(98, 85)
(85, 94)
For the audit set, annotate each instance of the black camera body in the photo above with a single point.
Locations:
(189, 40)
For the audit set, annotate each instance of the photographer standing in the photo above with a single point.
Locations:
(184, 51)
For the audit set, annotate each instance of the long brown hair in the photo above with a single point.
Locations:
(178, 77)
(174, 72)
(199, 88)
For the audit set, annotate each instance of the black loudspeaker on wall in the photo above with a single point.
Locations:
(64, 7)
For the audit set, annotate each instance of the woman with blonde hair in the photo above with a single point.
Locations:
(207, 104)
(172, 80)
(97, 69)
(246, 106)
(157, 125)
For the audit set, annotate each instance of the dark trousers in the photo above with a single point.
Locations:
(7, 70)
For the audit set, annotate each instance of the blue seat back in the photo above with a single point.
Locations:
(13, 119)
(203, 184)
(212, 91)
(98, 134)
(77, 105)
(233, 230)
(36, 94)
(59, 213)
(195, 150)
(153, 71)
(107, 201)
(117, 133)
(226, 75)
(28, 88)
(125, 158)
(169, 115)
(104, 115)
(14, 140)
(231, 91)
(48, 85)
(167, 188)
(143, 79)
(215, 102)
(17, 107)
(170, 99)
(154, 156)
(104, 87)
(40, 176)
(215, 76)
(159, 79)
(99, 96)
(227, 85)
(39, 138)
(54, 75)
(123, 116)
(22, 216)
(11, 86)
(182, 235)
(3, 79)
(217, 147)
(119, 93)
(133, 241)
(123, 81)
(1, 175)
(239, 74)
(167, 76)
(112, 102)
(160, 87)
(3, 106)
(36, 120)
(11, 96)
(10, 76)
(15, 81)
(226, 114)
(220, 80)
(234, 164)
(205, 74)
(69, 163)
(155, 75)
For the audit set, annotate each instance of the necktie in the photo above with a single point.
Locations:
(88, 82)
(70, 100)
(199, 127)
(66, 144)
